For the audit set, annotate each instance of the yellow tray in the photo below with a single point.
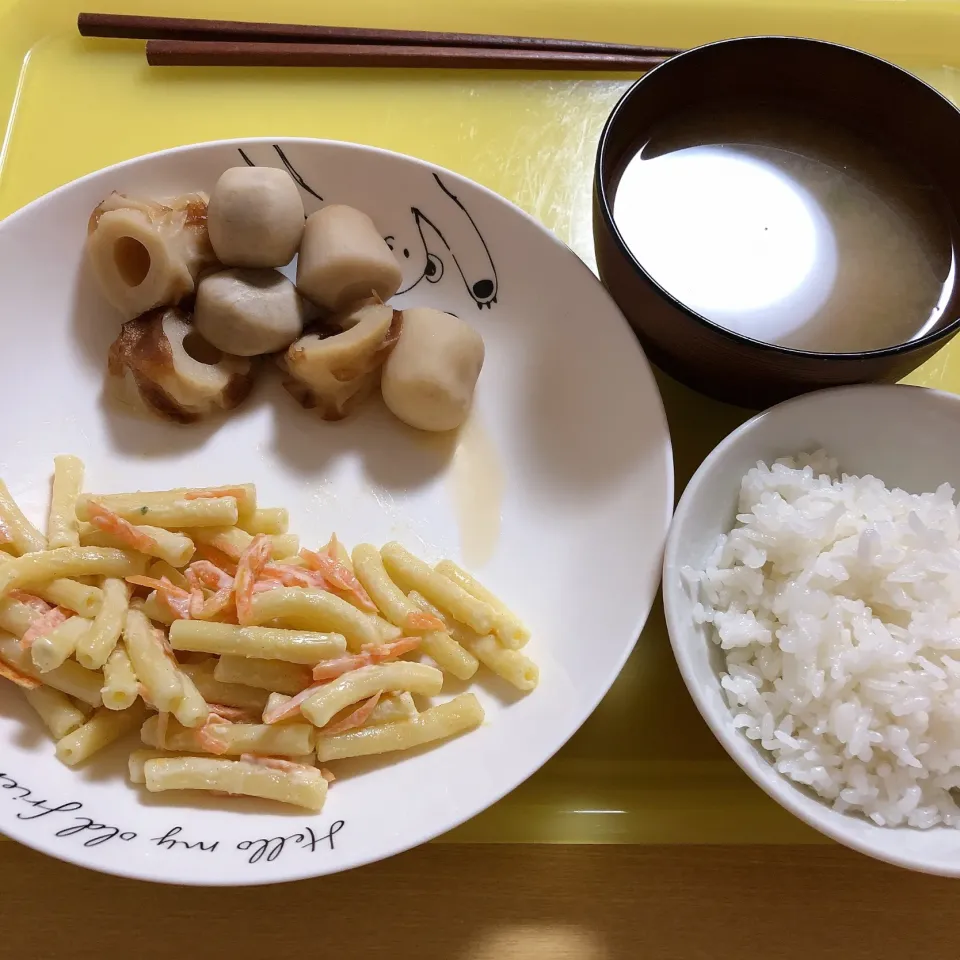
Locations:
(644, 768)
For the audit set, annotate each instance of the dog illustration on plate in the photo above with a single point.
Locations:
(446, 242)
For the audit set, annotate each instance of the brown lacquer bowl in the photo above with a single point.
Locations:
(874, 100)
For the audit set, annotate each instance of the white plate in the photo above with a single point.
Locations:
(906, 436)
(568, 419)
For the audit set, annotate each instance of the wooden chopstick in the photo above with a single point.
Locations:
(123, 26)
(199, 53)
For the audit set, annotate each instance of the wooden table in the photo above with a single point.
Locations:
(501, 902)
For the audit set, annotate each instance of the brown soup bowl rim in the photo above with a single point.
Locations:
(605, 191)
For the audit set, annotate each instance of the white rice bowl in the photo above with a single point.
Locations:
(836, 604)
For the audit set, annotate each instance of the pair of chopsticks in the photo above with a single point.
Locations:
(176, 42)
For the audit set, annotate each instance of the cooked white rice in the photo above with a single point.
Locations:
(837, 605)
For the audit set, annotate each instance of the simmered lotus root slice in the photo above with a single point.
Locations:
(147, 254)
(332, 374)
(161, 363)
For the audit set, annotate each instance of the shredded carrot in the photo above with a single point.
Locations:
(161, 638)
(43, 624)
(419, 622)
(338, 575)
(371, 654)
(291, 576)
(331, 548)
(178, 605)
(291, 706)
(327, 775)
(162, 584)
(262, 586)
(123, 530)
(174, 598)
(274, 763)
(224, 546)
(215, 493)
(208, 740)
(20, 679)
(197, 601)
(28, 599)
(214, 605)
(208, 574)
(356, 719)
(204, 608)
(233, 714)
(218, 558)
(250, 566)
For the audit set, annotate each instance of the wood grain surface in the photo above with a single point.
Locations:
(501, 902)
